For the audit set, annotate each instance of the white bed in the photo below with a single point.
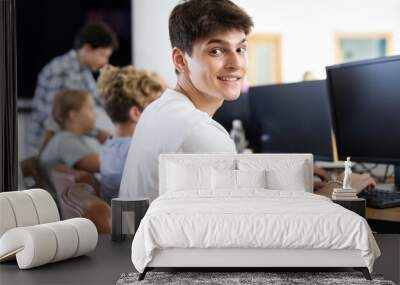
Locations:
(202, 220)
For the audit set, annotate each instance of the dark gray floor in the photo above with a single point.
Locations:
(102, 266)
(389, 263)
(111, 259)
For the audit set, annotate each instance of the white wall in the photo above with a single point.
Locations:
(151, 47)
(307, 28)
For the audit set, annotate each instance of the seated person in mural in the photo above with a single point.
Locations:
(124, 92)
(73, 111)
(93, 46)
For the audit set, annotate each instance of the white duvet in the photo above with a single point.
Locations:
(250, 218)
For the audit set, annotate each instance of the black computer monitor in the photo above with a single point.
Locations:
(365, 102)
(292, 118)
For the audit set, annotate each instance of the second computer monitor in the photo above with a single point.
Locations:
(292, 118)
(365, 97)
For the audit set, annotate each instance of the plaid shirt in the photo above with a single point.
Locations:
(63, 72)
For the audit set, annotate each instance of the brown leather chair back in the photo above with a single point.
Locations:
(62, 181)
(81, 195)
(77, 197)
(30, 169)
(65, 174)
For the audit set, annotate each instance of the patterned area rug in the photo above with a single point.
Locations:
(243, 278)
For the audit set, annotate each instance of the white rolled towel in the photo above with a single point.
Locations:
(7, 218)
(40, 244)
(26, 208)
(45, 205)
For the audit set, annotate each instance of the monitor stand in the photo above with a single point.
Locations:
(397, 176)
(391, 186)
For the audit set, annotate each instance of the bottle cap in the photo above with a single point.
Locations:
(237, 123)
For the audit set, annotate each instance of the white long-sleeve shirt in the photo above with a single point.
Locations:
(171, 124)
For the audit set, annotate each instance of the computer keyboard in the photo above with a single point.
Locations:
(381, 198)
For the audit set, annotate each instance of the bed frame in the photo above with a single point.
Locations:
(244, 259)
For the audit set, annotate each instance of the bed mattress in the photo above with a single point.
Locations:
(250, 219)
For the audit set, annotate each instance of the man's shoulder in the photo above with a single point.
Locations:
(209, 125)
(173, 106)
(207, 136)
(59, 64)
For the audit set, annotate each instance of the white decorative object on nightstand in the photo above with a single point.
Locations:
(346, 192)
(347, 174)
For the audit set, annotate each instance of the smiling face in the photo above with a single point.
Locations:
(217, 65)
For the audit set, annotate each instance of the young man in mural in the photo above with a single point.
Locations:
(209, 52)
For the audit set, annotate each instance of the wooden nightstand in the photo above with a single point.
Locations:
(356, 205)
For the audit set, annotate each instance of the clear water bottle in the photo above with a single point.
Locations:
(238, 136)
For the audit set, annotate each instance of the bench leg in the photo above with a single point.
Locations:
(364, 271)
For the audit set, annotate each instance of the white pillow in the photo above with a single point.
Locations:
(281, 175)
(292, 178)
(188, 177)
(223, 179)
(288, 176)
(237, 179)
(251, 178)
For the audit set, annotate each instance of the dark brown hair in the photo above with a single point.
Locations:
(97, 35)
(66, 101)
(120, 89)
(195, 19)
